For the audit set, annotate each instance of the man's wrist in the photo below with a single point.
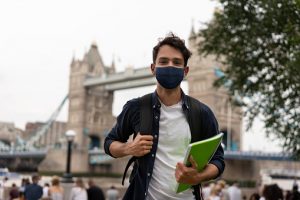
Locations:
(127, 148)
(199, 178)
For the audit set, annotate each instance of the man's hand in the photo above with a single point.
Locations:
(141, 145)
(190, 175)
(187, 175)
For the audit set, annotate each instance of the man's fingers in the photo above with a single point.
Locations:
(193, 162)
(146, 143)
(146, 137)
(180, 166)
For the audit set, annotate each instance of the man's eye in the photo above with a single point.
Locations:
(177, 63)
(163, 61)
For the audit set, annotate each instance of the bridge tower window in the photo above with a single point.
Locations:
(94, 142)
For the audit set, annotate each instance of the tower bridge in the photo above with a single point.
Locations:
(130, 78)
(91, 94)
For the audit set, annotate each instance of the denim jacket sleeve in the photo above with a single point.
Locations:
(127, 123)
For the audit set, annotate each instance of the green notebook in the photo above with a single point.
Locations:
(201, 152)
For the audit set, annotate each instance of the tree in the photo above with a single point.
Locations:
(259, 43)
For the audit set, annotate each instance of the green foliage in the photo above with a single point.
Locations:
(259, 42)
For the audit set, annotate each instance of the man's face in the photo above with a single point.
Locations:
(169, 56)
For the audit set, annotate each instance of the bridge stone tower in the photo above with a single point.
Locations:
(90, 113)
(200, 82)
(90, 110)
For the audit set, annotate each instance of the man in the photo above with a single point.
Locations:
(234, 192)
(295, 193)
(112, 193)
(33, 191)
(14, 192)
(159, 153)
(94, 192)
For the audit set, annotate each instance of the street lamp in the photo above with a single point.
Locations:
(67, 177)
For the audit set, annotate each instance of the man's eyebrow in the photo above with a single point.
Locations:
(163, 58)
(178, 59)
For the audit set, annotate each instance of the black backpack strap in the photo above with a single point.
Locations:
(146, 119)
(194, 118)
(130, 161)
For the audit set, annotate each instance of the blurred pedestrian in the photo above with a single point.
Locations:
(254, 196)
(94, 192)
(206, 189)
(295, 195)
(46, 191)
(14, 192)
(33, 191)
(272, 192)
(78, 192)
(56, 192)
(1, 191)
(235, 192)
(112, 193)
(224, 191)
(24, 183)
(215, 193)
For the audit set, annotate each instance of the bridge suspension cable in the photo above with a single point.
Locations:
(29, 144)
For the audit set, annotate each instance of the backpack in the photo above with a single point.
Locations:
(146, 116)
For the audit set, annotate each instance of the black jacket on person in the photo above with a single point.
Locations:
(95, 193)
(128, 123)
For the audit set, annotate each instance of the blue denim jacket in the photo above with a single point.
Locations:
(128, 122)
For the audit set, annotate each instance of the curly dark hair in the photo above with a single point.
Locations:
(175, 42)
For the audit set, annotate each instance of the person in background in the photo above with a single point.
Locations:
(295, 195)
(206, 189)
(94, 192)
(215, 193)
(234, 192)
(56, 192)
(24, 183)
(254, 196)
(1, 191)
(272, 192)
(224, 193)
(33, 191)
(46, 191)
(14, 192)
(78, 192)
(112, 193)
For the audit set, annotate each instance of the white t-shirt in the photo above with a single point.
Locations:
(234, 193)
(174, 137)
(112, 194)
(45, 192)
(78, 193)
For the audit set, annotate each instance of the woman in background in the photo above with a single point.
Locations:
(56, 192)
(78, 192)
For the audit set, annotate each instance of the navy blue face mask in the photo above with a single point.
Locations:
(169, 77)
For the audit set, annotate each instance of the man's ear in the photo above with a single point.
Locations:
(152, 66)
(186, 70)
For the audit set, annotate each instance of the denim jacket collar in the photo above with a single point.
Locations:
(157, 104)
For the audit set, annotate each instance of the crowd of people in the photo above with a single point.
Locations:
(54, 191)
(217, 190)
(221, 191)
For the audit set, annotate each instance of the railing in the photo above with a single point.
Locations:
(257, 155)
